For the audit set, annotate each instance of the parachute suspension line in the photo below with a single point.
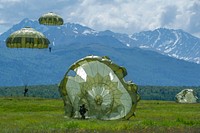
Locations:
(22, 40)
(105, 93)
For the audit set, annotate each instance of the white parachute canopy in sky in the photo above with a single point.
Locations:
(98, 84)
(186, 96)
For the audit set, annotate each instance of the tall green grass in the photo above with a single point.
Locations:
(19, 114)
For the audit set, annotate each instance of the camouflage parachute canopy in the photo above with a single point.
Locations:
(98, 83)
(27, 38)
(51, 19)
(186, 96)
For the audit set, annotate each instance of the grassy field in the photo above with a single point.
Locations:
(19, 114)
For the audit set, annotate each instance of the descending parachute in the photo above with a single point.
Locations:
(51, 19)
(27, 38)
(98, 83)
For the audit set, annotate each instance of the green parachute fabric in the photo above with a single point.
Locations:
(186, 96)
(27, 38)
(98, 83)
(51, 19)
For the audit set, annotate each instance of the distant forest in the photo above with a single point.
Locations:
(166, 93)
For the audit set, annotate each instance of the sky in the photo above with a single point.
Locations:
(123, 16)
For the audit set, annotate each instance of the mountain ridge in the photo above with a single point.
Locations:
(174, 43)
(170, 42)
(71, 42)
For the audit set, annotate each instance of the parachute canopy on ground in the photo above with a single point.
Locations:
(27, 38)
(186, 96)
(51, 19)
(98, 83)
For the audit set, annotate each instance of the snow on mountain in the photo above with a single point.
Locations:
(66, 34)
(71, 42)
(174, 43)
(170, 42)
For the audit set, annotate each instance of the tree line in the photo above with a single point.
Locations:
(166, 93)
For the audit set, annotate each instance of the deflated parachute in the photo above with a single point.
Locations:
(98, 84)
(186, 96)
(51, 19)
(27, 38)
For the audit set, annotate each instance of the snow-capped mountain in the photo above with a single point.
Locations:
(64, 35)
(174, 43)
(71, 42)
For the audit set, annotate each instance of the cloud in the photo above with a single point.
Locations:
(168, 16)
(13, 11)
(131, 16)
(194, 19)
(116, 15)
(125, 16)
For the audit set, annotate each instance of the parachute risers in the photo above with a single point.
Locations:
(51, 19)
(99, 84)
(27, 38)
